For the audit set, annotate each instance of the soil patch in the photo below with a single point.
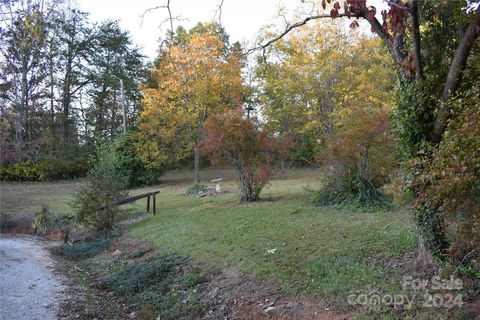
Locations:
(237, 295)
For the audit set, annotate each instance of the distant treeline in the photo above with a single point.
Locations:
(60, 88)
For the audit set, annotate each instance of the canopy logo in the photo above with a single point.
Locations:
(428, 293)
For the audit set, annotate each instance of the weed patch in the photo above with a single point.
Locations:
(334, 275)
(159, 288)
(84, 250)
(6, 221)
(196, 189)
(335, 195)
(144, 274)
(47, 221)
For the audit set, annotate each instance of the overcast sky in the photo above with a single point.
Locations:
(242, 19)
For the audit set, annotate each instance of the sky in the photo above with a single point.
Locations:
(242, 19)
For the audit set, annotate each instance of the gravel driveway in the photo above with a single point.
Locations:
(28, 287)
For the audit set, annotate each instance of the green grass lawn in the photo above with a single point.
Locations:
(29, 197)
(320, 251)
(324, 252)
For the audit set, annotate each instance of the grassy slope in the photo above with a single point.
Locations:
(318, 250)
(322, 251)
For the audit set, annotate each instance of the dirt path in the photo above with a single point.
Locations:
(28, 287)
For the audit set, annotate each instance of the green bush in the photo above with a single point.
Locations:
(94, 203)
(44, 170)
(448, 186)
(196, 188)
(130, 165)
(55, 169)
(351, 192)
(306, 149)
(21, 171)
(46, 221)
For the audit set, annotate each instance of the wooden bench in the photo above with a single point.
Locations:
(148, 195)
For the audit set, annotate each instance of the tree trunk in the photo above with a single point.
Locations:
(65, 117)
(396, 48)
(52, 99)
(454, 76)
(282, 166)
(416, 39)
(424, 257)
(112, 116)
(196, 162)
(246, 183)
(196, 177)
(23, 107)
(66, 100)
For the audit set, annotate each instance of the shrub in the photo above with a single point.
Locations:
(9, 154)
(196, 188)
(136, 277)
(239, 142)
(44, 170)
(130, 165)
(359, 158)
(56, 169)
(34, 161)
(21, 171)
(342, 191)
(305, 150)
(449, 184)
(94, 203)
(46, 221)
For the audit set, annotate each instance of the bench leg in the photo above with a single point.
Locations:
(148, 204)
(154, 200)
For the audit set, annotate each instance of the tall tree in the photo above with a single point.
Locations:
(306, 89)
(115, 61)
(194, 80)
(22, 50)
(60, 85)
(76, 48)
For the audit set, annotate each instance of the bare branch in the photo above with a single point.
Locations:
(170, 17)
(396, 48)
(219, 12)
(394, 4)
(290, 28)
(169, 20)
(148, 11)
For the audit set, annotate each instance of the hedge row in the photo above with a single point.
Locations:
(44, 170)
